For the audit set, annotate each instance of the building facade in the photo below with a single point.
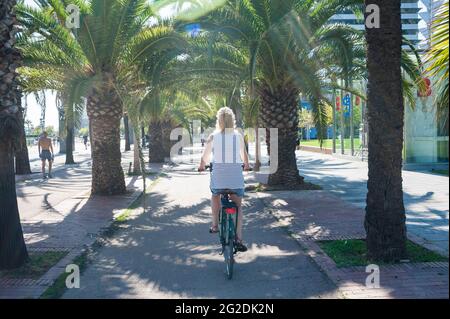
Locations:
(411, 18)
(426, 135)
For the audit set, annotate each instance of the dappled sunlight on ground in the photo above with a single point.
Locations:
(169, 253)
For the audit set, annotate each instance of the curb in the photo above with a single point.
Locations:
(35, 289)
(335, 274)
(95, 243)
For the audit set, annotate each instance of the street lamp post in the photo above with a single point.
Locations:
(342, 126)
(334, 121)
(352, 142)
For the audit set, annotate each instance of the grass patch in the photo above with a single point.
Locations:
(347, 253)
(440, 171)
(146, 174)
(329, 143)
(58, 288)
(38, 264)
(122, 218)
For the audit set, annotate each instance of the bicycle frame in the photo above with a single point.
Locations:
(228, 218)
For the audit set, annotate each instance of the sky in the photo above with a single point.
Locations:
(34, 110)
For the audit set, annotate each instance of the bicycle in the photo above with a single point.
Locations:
(228, 220)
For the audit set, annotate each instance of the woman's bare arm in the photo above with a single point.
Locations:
(206, 157)
(244, 154)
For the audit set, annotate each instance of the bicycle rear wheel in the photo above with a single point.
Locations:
(229, 260)
(228, 247)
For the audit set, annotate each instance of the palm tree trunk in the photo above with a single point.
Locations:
(69, 143)
(69, 134)
(156, 149)
(136, 156)
(236, 105)
(13, 252)
(62, 124)
(22, 158)
(143, 138)
(127, 133)
(104, 109)
(166, 129)
(385, 212)
(279, 109)
(257, 150)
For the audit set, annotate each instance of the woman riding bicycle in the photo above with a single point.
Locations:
(228, 151)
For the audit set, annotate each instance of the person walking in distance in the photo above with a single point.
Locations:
(85, 140)
(45, 147)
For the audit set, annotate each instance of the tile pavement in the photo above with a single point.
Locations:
(311, 216)
(70, 221)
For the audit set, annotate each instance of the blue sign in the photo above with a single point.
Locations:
(193, 29)
(347, 101)
(305, 105)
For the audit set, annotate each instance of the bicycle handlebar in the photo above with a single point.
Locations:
(209, 167)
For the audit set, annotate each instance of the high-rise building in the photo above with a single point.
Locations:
(410, 20)
(427, 11)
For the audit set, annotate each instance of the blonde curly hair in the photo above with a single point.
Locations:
(225, 119)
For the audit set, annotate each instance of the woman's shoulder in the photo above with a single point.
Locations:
(239, 134)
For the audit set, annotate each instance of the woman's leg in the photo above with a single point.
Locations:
(238, 201)
(215, 206)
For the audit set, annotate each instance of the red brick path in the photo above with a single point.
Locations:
(315, 215)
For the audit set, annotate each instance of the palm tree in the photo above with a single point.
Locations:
(126, 125)
(156, 111)
(113, 38)
(385, 212)
(251, 120)
(279, 36)
(21, 154)
(437, 59)
(171, 109)
(72, 113)
(13, 252)
(177, 82)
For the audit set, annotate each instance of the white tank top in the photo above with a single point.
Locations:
(227, 162)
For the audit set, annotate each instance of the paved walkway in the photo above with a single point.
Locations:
(168, 252)
(426, 196)
(35, 195)
(60, 215)
(312, 216)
